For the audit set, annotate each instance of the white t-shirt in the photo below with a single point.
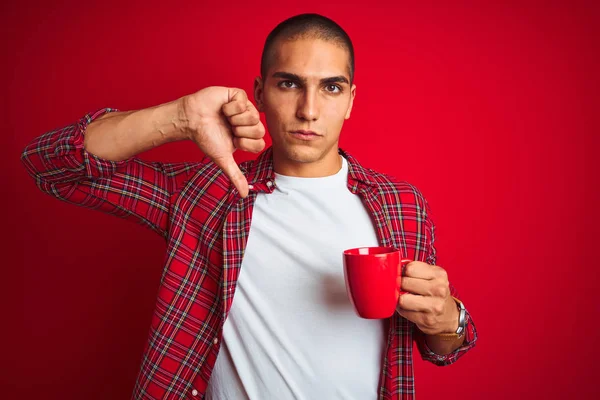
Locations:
(291, 332)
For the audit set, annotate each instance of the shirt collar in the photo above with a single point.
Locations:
(356, 171)
(261, 171)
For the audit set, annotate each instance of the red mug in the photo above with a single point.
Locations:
(373, 277)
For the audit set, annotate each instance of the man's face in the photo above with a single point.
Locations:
(306, 96)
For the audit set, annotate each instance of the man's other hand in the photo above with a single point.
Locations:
(220, 120)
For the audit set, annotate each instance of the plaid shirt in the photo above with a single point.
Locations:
(206, 224)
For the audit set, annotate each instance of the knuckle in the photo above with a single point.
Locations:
(438, 308)
(239, 107)
(440, 291)
(233, 108)
(429, 321)
(255, 118)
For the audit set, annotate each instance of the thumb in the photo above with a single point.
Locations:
(233, 172)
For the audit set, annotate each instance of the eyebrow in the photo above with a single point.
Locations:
(298, 78)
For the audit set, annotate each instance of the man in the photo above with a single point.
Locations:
(270, 231)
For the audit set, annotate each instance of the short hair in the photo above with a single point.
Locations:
(307, 26)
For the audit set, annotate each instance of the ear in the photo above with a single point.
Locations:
(352, 94)
(258, 93)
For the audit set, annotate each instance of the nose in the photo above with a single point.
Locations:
(308, 105)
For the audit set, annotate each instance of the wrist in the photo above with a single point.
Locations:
(186, 129)
(170, 121)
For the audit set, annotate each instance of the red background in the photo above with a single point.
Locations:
(490, 109)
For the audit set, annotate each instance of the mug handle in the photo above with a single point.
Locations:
(401, 266)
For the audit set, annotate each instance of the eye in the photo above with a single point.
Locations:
(333, 88)
(287, 84)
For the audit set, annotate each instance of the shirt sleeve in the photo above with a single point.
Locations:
(133, 189)
(470, 331)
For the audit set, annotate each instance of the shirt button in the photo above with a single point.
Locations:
(269, 183)
(250, 187)
(215, 341)
(194, 392)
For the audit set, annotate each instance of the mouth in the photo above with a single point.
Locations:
(305, 135)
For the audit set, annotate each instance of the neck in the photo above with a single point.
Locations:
(327, 166)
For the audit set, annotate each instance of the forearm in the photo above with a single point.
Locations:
(120, 135)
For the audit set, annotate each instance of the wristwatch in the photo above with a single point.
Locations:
(462, 320)
(462, 323)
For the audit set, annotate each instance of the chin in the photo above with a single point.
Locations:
(301, 154)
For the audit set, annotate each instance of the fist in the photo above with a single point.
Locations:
(220, 120)
(428, 302)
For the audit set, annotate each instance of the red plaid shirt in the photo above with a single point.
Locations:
(206, 224)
